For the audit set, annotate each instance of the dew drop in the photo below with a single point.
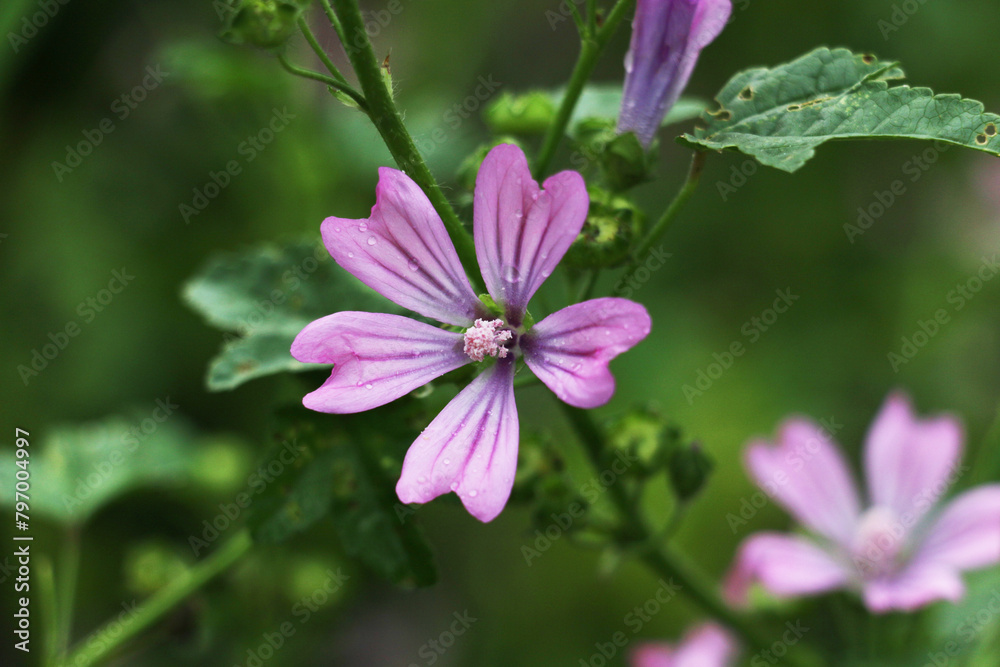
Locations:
(413, 265)
(336, 229)
(368, 386)
(360, 383)
(447, 462)
(362, 226)
(372, 240)
(517, 214)
(454, 486)
(350, 254)
(473, 493)
(510, 274)
(422, 479)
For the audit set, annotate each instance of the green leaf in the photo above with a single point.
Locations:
(266, 296)
(779, 116)
(339, 474)
(76, 470)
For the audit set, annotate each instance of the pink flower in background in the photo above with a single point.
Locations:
(707, 645)
(900, 550)
(667, 38)
(403, 252)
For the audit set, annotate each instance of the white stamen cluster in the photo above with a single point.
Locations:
(486, 338)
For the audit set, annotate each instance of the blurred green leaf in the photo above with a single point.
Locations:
(339, 473)
(779, 116)
(76, 470)
(266, 296)
(263, 23)
(534, 111)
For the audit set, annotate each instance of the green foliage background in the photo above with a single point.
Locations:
(827, 357)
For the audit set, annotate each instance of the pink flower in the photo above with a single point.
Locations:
(707, 645)
(901, 551)
(667, 38)
(403, 252)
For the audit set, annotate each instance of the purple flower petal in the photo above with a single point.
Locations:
(667, 38)
(377, 358)
(916, 586)
(908, 460)
(966, 535)
(470, 448)
(785, 565)
(570, 349)
(403, 252)
(522, 232)
(807, 474)
(707, 645)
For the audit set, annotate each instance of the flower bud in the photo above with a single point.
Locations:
(644, 434)
(612, 225)
(689, 469)
(266, 24)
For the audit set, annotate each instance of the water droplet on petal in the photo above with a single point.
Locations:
(447, 462)
(336, 229)
(368, 386)
(362, 226)
(372, 240)
(473, 493)
(510, 274)
(454, 485)
(413, 265)
(422, 479)
(350, 254)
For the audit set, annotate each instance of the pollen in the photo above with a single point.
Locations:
(486, 338)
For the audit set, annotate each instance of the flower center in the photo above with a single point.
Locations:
(486, 338)
(879, 539)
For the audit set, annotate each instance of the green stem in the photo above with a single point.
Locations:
(318, 50)
(67, 571)
(663, 224)
(658, 558)
(389, 123)
(335, 22)
(115, 633)
(333, 83)
(591, 46)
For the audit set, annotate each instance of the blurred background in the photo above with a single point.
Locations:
(181, 104)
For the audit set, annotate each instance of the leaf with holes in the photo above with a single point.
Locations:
(262, 298)
(779, 116)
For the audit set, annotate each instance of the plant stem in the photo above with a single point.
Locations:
(67, 569)
(663, 224)
(591, 45)
(115, 633)
(318, 50)
(659, 558)
(335, 22)
(333, 83)
(389, 123)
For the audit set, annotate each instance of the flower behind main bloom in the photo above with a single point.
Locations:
(667, 38)
(706, 645)
(403, 251)
(899, 553)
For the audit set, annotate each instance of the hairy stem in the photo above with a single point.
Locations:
(389, 123)
(591, 46)
(331, 82)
